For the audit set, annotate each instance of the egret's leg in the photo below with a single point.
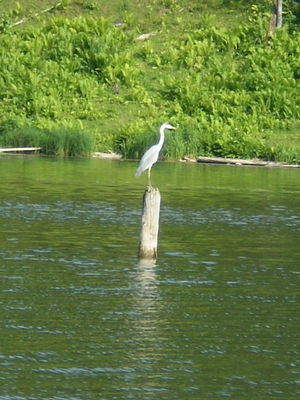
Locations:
(149, 177)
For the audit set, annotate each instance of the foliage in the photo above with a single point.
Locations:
(228, 89)
(228, 92)
(58, 142)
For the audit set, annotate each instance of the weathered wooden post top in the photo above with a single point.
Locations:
(150, 224)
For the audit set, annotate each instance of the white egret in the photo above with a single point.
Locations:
(151, 155)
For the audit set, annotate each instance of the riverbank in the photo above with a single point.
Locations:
(200, 159)
(211, 160)
(76, 81)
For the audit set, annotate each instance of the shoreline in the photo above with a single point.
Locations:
(200, 159)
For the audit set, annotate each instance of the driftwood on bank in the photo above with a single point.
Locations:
(237, 161)
(107, 156)
(144, 36)
(20, 149)
(25, 19)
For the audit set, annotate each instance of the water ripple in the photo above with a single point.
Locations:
(68, 211)
(232, 217)
(108, 212)
(87, 371)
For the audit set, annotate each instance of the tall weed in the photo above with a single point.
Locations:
(59, 142)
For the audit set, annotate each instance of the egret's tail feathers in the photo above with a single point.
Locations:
(138, 173)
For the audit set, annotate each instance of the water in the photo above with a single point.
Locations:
(217, 317)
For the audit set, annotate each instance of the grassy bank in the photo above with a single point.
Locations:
(75, 79)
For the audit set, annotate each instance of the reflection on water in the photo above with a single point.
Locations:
(216, 317)
(146, 325)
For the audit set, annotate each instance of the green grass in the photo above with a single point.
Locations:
(208, 68)
(58, 142)
(144, 13)
(285, 145)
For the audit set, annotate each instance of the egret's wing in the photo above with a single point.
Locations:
(148, 159)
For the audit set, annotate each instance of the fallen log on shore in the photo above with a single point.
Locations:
(240, 162)
(20, 149)
(110, 156)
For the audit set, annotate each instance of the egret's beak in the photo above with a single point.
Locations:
(173, 128)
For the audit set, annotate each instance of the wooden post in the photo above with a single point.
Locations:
(150, 224)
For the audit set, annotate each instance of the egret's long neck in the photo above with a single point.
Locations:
(162, 136)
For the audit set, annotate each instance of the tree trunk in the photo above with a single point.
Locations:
(276, 17)
(279, 14)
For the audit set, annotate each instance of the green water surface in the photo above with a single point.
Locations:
(217, 317)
